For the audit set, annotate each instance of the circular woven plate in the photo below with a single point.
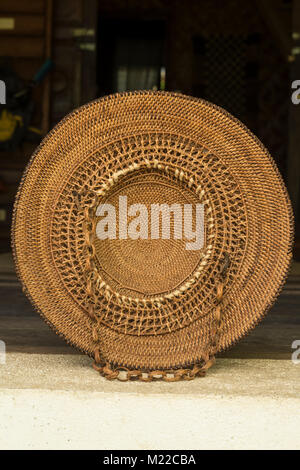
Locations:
(153, 298)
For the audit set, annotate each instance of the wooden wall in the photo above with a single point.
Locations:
(25, 43)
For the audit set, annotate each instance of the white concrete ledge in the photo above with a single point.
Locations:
(59, 402)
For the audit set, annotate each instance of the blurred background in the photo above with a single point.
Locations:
(56, 55)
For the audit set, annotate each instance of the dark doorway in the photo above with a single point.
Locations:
(130, 55)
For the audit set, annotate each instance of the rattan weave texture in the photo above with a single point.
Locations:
(153, 300)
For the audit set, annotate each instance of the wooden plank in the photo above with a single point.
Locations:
(9, 196)
(26, 68)
(48, 53)
(21, 6)
(21, 47)
(294, 126)
(89, 58)
(69, 12)
(17, 160)
(271, 14)
(30, 25)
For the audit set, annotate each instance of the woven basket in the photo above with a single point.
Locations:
(148, 305)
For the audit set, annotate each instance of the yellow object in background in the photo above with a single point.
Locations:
(8, 124)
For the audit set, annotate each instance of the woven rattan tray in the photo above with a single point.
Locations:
(150, 306)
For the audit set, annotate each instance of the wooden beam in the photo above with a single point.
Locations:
(16, 25)
(270, 12)
(21, 47)
(294, 125)
(22, 6)
(48, 52)
(89, 57)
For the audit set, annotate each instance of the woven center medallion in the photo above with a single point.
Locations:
(158, 261)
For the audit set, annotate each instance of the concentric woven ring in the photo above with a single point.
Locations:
(90, 229)
(250, 208)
